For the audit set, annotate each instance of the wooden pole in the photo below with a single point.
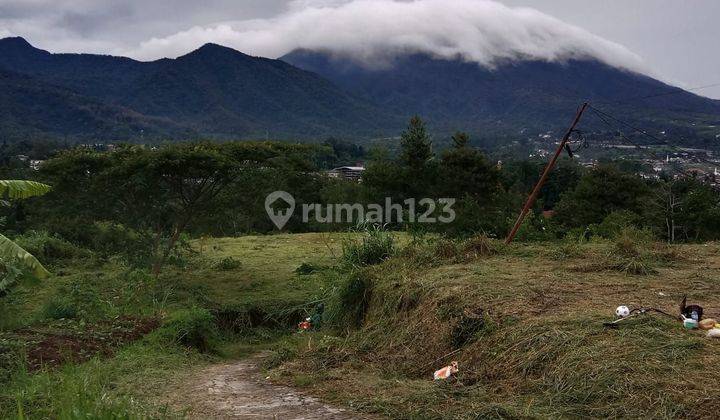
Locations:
(533, 196)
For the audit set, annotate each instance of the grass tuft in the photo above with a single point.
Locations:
(375, 246)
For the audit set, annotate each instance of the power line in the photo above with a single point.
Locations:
(645, 133)
(601, 117)
(676, 91)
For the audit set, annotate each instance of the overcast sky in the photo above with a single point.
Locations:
(674, 40)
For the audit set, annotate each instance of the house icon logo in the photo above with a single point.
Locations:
(280, 217)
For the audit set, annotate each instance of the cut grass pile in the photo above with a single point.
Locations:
(526, 327)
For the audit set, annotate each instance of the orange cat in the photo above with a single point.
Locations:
(446, 372)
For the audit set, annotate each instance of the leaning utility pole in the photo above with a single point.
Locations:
(533, 196)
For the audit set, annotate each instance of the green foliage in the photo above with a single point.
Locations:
(415, 144)
(227, 263)
(600, 192)
(59, 308)
(15, 260)
(17, 189)
(353, 299)
(11, 358)
(375, 246)
(79, 299)
(194, 328)
(111, 238)
(49, 248)
(306, 268)
(114, 388)
(14, 257)
(283, 352)
(616, 223)
(466, 171)
(536, 228)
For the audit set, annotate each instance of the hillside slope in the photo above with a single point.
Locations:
(217, 91)
(517, 97)
(525, 324)
(31, 110)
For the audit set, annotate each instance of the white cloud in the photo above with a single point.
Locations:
(482, 31)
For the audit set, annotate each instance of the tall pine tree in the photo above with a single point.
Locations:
(416, 147)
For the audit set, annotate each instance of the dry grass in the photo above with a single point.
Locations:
(526, 328)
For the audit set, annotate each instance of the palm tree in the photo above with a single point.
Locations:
(14, 257)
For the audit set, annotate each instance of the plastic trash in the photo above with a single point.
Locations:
(305, 325)
(446, 372)
(707, 324)
(690, 323)
(714, 333)
(691, 311)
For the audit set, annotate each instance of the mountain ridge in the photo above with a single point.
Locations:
(526, 94)
(214, 90)
(220, 93)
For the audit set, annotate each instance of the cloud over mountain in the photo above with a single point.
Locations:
(482, 31)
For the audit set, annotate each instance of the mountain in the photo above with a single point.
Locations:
(517, 97)
(31, 109)
(217, 92)
(214, 91)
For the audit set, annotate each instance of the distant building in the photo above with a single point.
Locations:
(352, 173)
(35, 164)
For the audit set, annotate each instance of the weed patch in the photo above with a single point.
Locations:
(375, 246)
(193, 328)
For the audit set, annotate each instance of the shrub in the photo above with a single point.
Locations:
(305, 269)
(353, 299)
(536, 229)
(283, 352)
(632, 253)
(227, 263)
(59, 308)
(48, 248)
(80, 299)
(193, 328)
(630, 241)
(616, 223)
(109, 238)
(138, 289)
(376, 246)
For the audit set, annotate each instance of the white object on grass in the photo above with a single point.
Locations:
(714, 333)
(622, 311)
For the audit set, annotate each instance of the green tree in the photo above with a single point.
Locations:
(685, 209)
(465, 170)
(162, 193)
(466, 175)
(415, 144)
(600, 192)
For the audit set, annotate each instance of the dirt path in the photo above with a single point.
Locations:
(238, 390)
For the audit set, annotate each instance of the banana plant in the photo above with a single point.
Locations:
(15, 259)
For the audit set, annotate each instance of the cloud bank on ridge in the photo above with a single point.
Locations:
(482, 31)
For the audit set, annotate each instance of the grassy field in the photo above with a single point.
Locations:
(97, 340)
(524, 322)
